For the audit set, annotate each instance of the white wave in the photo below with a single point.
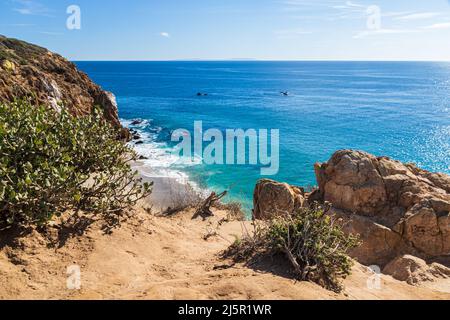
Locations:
(143, 123)
(162, 162)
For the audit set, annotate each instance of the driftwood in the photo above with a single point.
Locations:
(204, 209)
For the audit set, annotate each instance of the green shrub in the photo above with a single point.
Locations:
(52, 162)
(312, 242)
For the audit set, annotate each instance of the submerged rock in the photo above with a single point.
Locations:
(137, 122)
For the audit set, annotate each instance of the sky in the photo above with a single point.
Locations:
(234, 29)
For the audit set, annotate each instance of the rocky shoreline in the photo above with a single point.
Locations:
(401, 212)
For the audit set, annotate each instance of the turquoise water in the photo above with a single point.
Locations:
(398, 109)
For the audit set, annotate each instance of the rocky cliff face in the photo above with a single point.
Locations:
(411, 203)
(30, 71)
(397, 208)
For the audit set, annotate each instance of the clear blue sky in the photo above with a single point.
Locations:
(234, 29)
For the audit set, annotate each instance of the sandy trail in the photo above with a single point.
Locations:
(152, 257)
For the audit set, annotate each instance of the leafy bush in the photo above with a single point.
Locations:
(311, 241)
(52, 162)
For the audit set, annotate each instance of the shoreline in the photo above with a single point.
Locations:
(168, 191)
(172, 188)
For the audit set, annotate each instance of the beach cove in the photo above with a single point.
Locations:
(399, 109)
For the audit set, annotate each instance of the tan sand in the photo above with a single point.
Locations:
(153, 257)
(168, 191)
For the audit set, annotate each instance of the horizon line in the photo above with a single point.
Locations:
(256, 60)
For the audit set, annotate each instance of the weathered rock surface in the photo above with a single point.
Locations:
(33, 72)
(379, 244)
(273, 198)
(396, 208)
(414, 270)
(408, 201)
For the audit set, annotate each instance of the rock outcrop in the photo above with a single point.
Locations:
(415, 271)
(379, 244)
(273, 198)
(396, 208)
(408, 201)
(33, 72)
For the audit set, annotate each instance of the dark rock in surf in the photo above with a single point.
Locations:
(137, 122)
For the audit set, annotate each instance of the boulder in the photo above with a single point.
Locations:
(396, 208)
(411, 202)
(137, 122)
(273, 198)
(351, 181)
(414, 270)
(379, 244)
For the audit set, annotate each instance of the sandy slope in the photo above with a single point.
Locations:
(164, 258)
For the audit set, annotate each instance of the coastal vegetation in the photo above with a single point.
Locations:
(65, 165)
(311, 241)
(52, 163)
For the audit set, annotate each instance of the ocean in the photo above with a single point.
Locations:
(395, 109)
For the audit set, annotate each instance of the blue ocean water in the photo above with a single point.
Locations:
(398, 109)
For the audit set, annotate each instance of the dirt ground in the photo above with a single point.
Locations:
(152, 257)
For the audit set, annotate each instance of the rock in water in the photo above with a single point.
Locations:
(47, 78)
(137, 122)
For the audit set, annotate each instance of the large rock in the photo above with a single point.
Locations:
(273, 198)
(396, 208)
(379, 244)
(32, 72)
(414, 270)
(411, 202)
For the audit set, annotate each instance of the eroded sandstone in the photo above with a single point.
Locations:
(46, 78)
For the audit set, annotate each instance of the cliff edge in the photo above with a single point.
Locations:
(33, 72)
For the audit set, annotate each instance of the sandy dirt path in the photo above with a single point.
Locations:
(152, 257)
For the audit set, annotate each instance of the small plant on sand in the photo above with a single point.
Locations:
(311, 241)
(234, 209)
(52, 163)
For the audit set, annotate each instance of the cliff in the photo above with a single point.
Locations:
(27, 70)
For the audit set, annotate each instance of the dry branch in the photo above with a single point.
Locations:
(204, 209)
